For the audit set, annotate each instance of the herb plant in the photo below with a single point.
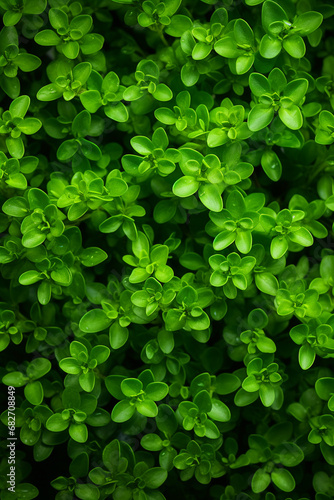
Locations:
(166, 249)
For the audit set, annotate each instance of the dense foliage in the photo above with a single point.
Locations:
(166, 252)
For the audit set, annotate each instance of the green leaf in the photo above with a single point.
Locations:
(210, 428)
(111, 454)
(165, 115)
(62, 276)
(307, 22)
(83, 23)
(50, 92)
(166, 420)
(81, 124)
(166, 341)
(203, 401)
(259, 84)
(250, 384)
(178, 25)
(260, 117)
(217, 137)
(138, 275)
(283, 479)
(160, 138)
(34, 393)
(87, 491)
(223, 240)
(219, 412)
(76, 350)
(11, 18)
(82, 72)
(291, 117)
(260, 481)
(71, 49)
(122, 411)
(151, 442)
(91, 100)
(16, 379)
(38, 199)
(296, 89)
(17, 181)
(185, 186)
(302, 236)
(267, 394)
(19, 107)
(271, 13)
(56, 423)
(27, 62)
(117, 112)
(67, 150)
(156, 391)
(189, 74)
(163, 93)
(266, 283)
(295, 46)
(76, 211)
(265, 344)
(78, 432)
(15, 147)
(210, 196)
(32, 239)
(257, 319)
(324, 387)
(47, 38)
(142, 145)
(271, 165)
(243, 63)
(11, 86)
(118, 335)
(244, 398)
(235, 204)
(243, 33)
(34, 7)
(58, 18)
(148, 408)
(30, 277)
(94, 321)
(90, 150)
(278, 247)
(100, 353)
(270, 46)
(155, 477)
(326, 265)
(87, 381)
(70, 365)
(131, 387)
(227, 47)
(201, 50)
(16, 206)
(290, 454)
(171, 7)
(226, 383)
(91, 43)
(243, 241)
(92, 256)
(132, 93)
(113, 385)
